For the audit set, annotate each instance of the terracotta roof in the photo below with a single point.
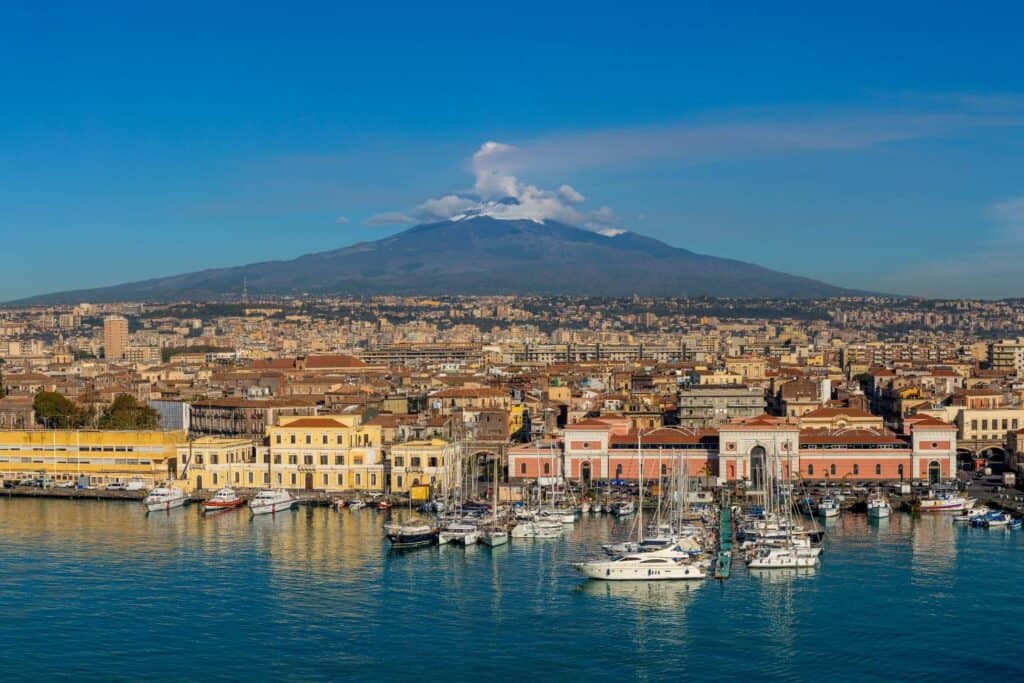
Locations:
(470, 392)
(834, 412)
(274, 364)
(667, 435)
(811, 437)
(334, 361)
(314, 422)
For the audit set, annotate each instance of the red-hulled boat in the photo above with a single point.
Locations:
(224, 499)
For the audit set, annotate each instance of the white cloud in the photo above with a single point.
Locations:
(388, 218)
(569, 194)
(341, 220)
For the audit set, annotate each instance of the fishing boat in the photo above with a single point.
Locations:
(224, 499)
(411, 534)
(879, 507)
(943, 501)
(1016, 523)
(992, 519)
(271, 501)
(164, 498)
(965, 516)
(625, 508)
(356, 505)
(828, 507)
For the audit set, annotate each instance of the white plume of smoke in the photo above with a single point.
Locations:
(498, 193)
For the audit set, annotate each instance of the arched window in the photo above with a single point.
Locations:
(856, 468)
(878, 469)
(832, 469)
(810, 469)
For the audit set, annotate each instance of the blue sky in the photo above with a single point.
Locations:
(877, 147)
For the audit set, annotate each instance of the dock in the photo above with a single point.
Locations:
(723, 565)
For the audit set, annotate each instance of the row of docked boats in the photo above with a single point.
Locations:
(267, 501)
(982, 517)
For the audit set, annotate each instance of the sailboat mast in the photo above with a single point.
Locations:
(640, 506)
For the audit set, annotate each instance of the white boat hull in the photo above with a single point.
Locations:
(166, 505)
(271, 508)
(494, 539)
(607, 571)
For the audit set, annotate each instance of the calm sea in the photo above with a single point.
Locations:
(102, 591)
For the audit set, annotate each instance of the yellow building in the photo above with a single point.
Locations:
(104, 457)
(419, 463)
(331, 453)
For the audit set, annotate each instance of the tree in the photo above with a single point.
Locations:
(864, 379)
(127, 413)
(54, 409)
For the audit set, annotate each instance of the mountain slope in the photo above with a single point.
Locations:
(479, 255)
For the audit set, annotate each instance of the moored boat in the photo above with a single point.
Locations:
(642, 567)
(270, 501)
(494, 535)
(411, 534)
(828, 507)
(945, 502)
(164, 498)
(224, 499)
(879, 507)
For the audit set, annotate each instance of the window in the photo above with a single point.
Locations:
(878, 469)
(984, 424)
(856, 468)
(323, 459)
(1005, 426)
(414, 461)
(324, 439)
(399, 481)
(292, 439)
(266, 477)
(618, 471)
(357, 460)
(373, 480)
(250, 478)
(266, 457)
(1013, 423)
(358, 479)
(214, 477)
(832, 469)
(339, 460)
(213, 458)
(900, 470)
(338, 440)
(810, 469)
(664, 469)
(293, 479)
(309, 439)
(237, 479)
(433, 462)
(278, 439)
(341, 480)
(278, 478)
(325, 480)
(307, 459)
(293, 459)
(547, 468)
(974, 425)
(277, 458)
(522, 468)
(399, 461)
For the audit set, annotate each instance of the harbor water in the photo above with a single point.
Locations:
(97, 590)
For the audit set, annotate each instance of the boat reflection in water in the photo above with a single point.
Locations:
(670, 595)
(775, 576)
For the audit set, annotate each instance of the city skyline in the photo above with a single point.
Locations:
(872, 157)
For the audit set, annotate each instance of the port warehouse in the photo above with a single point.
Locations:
(335, 453)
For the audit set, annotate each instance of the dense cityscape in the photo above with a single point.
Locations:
(512, 372)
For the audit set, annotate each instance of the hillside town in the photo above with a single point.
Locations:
(370, 395)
